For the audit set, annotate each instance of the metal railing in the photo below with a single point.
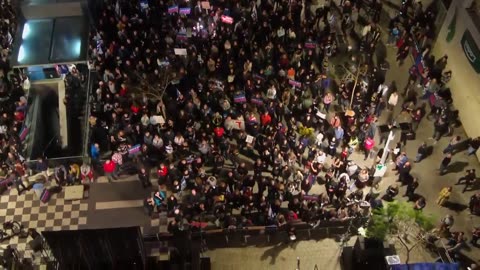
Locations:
(92, 75)
(30, 123)
(222, 238)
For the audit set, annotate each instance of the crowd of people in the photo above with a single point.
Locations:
(13, 106)
(234, 107)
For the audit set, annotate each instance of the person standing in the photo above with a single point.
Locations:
(86, 173)
(368, 145)
(109, 169)
(417, 116)
(117, 158)
(474, 203)
(18, 181)
(95, 155)
(469, 178)
(327, 101)
(445, 162)
(404, 173)
(473, 146)
(392, 100)
(144, 177)
(444, 195)
(475, 236)
(421, 152)
(412, 186)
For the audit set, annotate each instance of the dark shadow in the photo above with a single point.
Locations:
(429, 151)
(457, 207)
(475, 186)
(380, 53)
(462, 146)
(273, 252)
(415, 197)
(320, 180)
(387, 198)
(457, 166)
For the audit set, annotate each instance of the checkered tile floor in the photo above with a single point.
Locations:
(57, 214)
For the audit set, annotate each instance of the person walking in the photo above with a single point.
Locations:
(18, 182)
(469, 179)
(444, 195)
(392, 100)
(445, 162)
(422, 152)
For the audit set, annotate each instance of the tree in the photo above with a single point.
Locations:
(154, 85)
(398, 221)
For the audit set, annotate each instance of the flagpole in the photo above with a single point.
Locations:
(354, 86)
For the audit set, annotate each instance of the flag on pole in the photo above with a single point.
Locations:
(23, 133)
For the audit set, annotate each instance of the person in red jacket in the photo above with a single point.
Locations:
(109, 169)
(219, 131)
(162, 173)
(266, 119)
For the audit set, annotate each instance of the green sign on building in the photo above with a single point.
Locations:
(471, 50)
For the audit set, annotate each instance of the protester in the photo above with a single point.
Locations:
(444, 195)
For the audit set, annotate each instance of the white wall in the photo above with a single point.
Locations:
(465, 82)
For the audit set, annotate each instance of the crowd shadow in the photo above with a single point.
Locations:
(274, 251)
(380, 53)
(457, 166)
(457, 207)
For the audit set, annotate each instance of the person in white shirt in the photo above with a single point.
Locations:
(382, 89)
(352, 168)
(321, 157)
(319, 138)
(392, 100)
(26, 83)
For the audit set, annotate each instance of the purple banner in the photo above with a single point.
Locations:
(295, 83)
(258, 77)
(185, 11)
(173, 9)
(182, 37)
(310, 45)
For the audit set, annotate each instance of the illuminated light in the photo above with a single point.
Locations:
(21, 54)
(26, 31)
(77, 47)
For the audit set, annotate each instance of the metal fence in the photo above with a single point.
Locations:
(267, 235)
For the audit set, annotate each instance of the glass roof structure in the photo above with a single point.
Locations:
(51, 41)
